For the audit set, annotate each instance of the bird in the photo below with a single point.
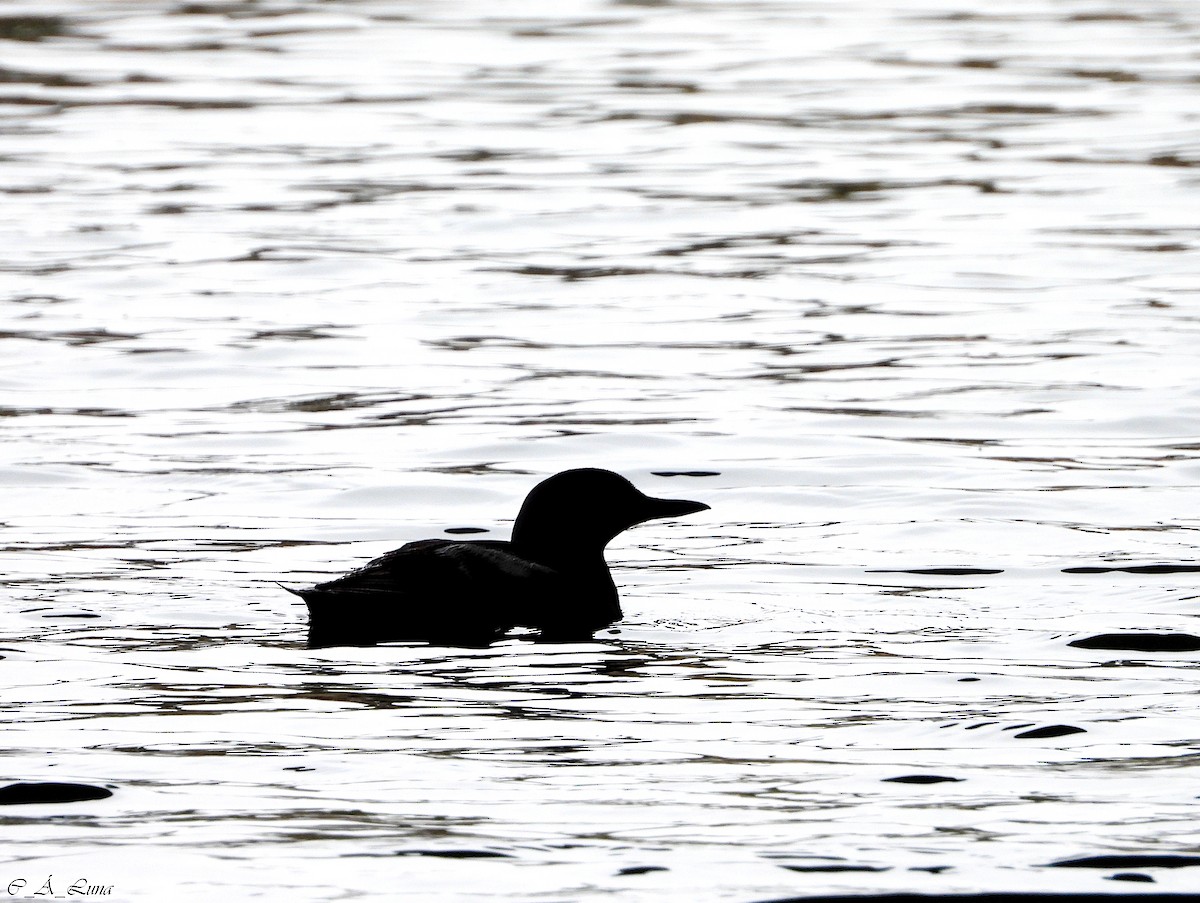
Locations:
(551, 576)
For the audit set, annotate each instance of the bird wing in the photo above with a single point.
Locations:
(466, 592)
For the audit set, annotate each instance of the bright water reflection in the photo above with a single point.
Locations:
(287, 284)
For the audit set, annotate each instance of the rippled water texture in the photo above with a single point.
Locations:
(906, 292)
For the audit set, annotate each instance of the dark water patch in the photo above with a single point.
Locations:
(700, 197)
(738, 241)
(1111, 16)
(375, 98)
(320, 404)
(1109, 75)
(149, 167)
(564, 28)
(288, 32)
(38, 299)
(189, 47)
(1141, 642)
(27, 100)
(799, 371)
(921, 779)
(942, 572)
(686, 473)
(339, 401)
(481, 468)
(836, 868)
(33, 792)
(1048, 732)
(174, 186)
(481, 155)
(1150, 231)
(578, 273)
(45, 79)
(1166, 248)
(461, 531)
(299, 334)
(72, 337)
(1138, 528)
(232, 750)
(471, 342)
(1022, 112)
(1044, 462)
(563, 373)
(1169, 160)
(1018, 109)
(1172, 160)
(235, 10)
(456, 854)
(366, 191)
(1129, 860)
(1136, 569)
(841, 190)
(938, 440)
(64, 412)
(641, 870)
(859, 412)
(1131, 876)
(561, 420)
(72, 614)
(32, 28)
(656, 86)
(172, 103)
(277, 255)
(972, 62)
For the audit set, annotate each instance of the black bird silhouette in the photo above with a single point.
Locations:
(551, 576)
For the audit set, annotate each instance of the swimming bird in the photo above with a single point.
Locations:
(551, 575)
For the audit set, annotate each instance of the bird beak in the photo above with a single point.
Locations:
(656, 508)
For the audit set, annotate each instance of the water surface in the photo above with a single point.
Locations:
(906, 293)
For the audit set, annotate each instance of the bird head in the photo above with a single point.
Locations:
(583, 510)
